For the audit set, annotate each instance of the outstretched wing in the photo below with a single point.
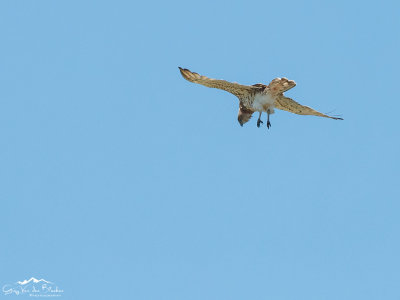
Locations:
(240, 91)
(292, 106)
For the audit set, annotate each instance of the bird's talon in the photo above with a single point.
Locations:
(259, 122)
(268, 124)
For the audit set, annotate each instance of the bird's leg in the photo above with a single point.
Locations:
(268, 122)
(259, 120)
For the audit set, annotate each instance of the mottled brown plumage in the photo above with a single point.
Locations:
(257, 97)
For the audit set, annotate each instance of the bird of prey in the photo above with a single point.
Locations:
(257, 97)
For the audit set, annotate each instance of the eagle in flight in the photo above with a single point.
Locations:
(257, 97)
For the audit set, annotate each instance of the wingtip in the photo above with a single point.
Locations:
(182, 70)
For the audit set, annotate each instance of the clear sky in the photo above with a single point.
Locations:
(121, 180)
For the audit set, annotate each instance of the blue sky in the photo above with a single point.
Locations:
(119, 179)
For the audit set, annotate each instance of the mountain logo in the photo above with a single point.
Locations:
(34, 280)
(33, 287)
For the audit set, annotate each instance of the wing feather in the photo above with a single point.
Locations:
(288, 104)
(239, 90)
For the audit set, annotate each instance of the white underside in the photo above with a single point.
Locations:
(263, 102)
